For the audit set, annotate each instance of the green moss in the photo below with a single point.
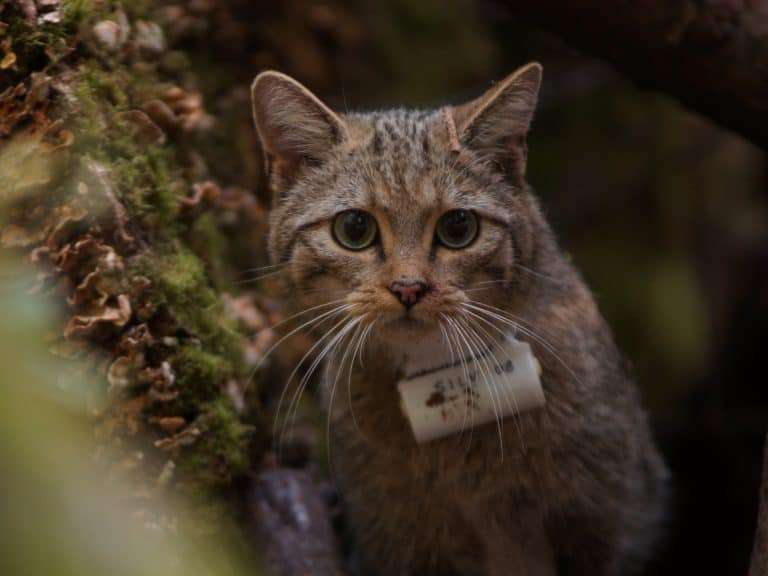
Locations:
(143, 173)
(200, 376)
(104, 84)
(180, 276)
(146, 186)
(210, 243)
(180, 281)
(223, 450)
(34, 46)
(75, 12)
(149, 179)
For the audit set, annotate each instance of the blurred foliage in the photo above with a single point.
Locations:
(61, 513)
(104, 205)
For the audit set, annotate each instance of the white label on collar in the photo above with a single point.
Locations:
(442, 395)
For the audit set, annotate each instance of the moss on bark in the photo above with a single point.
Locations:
(113, 221)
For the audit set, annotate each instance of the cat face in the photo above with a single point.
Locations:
(403, 217)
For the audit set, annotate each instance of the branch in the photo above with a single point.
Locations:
(712, 56)
(293, 525)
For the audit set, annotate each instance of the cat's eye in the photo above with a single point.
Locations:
(355, 229)
(457, 229)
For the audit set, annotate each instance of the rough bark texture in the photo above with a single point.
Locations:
(712, 56)
(136, 205)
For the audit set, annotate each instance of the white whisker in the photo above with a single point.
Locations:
(306, 324)
(517, 326)
(339, 371)
(514, 406)
(335, 339)
(467, 385)
(301, 313)
(365, 339)
(477, 354)
(349, 375)
(482, 362)
(327, 316)
(260, 277)
(538, 274)
(267, 267)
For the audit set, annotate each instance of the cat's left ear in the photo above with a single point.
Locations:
(295, 128)
(495, 125)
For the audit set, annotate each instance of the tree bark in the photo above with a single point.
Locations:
(712, 56)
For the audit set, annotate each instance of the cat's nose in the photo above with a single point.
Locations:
(409, 292)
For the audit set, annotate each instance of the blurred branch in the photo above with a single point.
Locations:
(759, 564)
(293, 526)
(712, 56)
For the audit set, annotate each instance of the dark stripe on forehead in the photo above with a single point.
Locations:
(413, 129)
(377, 146)
(425, 145)
(390, 129)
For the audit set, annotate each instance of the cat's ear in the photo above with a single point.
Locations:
(496, 124)
(294, 126)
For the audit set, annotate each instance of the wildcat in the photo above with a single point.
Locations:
(393, 227)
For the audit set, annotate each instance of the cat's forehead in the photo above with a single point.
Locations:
(408, 133)
(400, 156)
(397, 162)
(396, 137)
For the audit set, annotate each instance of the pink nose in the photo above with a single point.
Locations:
(409, 292)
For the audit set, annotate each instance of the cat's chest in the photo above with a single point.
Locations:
(468, 468)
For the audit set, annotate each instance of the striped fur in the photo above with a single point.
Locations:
(578, 484)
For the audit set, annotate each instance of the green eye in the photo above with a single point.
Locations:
(457, 229)
(354, 229)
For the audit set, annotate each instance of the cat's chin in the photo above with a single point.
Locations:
(407, 327)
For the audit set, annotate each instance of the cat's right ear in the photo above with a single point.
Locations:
(496, 124)
(295, 128)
